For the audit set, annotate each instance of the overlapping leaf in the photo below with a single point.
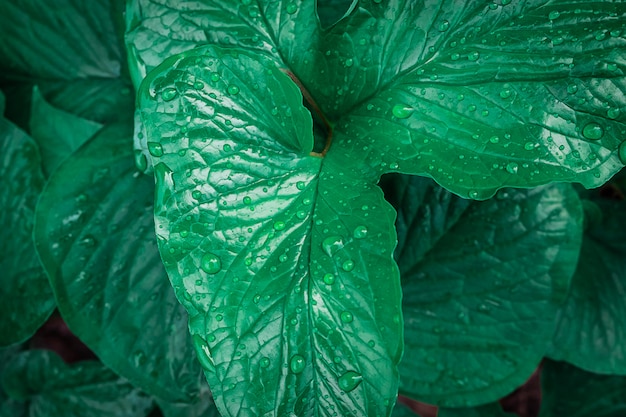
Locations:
(570, 391)
(39, 384)
(591, 330)
(482, 282)
(283, 259)
(477, 96)
(95, 236)
(488, 410)
(25, 295)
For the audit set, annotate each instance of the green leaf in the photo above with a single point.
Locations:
(2, 104)
(569, 391)
(73, 39)
(331, 11)
(488, 410)
(204, 406)
(478, 97)
(57, 132)
(482, 282)
(591, 330)
(401, 410)
(48, 388)
(283, 259)
(25, 295)
(95, 236)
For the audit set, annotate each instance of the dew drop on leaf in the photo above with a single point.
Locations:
(360, 232)
(593, 131)
(279, 225)
(168, 94)
(349, 381)
(474, 194)
(572, 88)
(155, 149)
(203, 353)
(247, 200)
(297, 364)
(332, 244)
(329, 279)
(348, 265)
(346, 317)
(141, 162)
(215, 77)
(210, 263)
(233, 90)
(621, 152)
(613, 113)
(402, 111)
(529, 146)
(349, 62)
(554, 15)
(512, 167)
(443, 26)
(265, 362)
(300, 185)
(292, 8)
(473, 56)
(198, 85)
(506, 93)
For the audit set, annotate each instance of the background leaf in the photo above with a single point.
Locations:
(57, 132)
(482, 283)
(26, 297)
(48, 387)
(591, 330)
(569, 391)
(95, 236)
(202, 407)
(488, 410)
(282, 259)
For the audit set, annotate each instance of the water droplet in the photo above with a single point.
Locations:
(611, 67)
(297, 364)
(443, 26)
(168, 94)
(219, 317)
(210, 263)
(593, 131)
(346, 317)
(233, 90)
(512, 167)
(88, 241)
(203, 353)
(494, 139)
(329, 279)
(402, 111)
(613, 113)
(300, 185)
(349, 381)
(278, 226)
(529, 146)
(349, 62)
(572, 88)
(292, 8)
(141, 161)
(360, 232)
(473, 194)
(455, 56)
(247, 200)
(155, 149)
(506, 93)
(473, 56)
(348, 265)
(332, 244)
(265, 362)
(301, 214)
(554, 15)
(198, 85)
(621, 152)
(215, 77)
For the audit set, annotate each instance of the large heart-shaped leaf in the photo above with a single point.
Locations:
(39, 384)
(569, 391)
(482, 282)
(477, 96)
(591, 330)
(95, 236)
(283, 259)
(25, 295)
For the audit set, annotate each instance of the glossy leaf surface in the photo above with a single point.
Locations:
(478, 96)
(569, 391)
(44, 386)
(283, 259)
(57, 132)
(591, 331)
(95, 236)
(25, 295)
(482, 282)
